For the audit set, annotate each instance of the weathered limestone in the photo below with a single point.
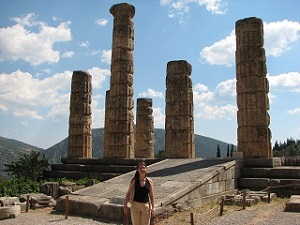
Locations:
(80, 119)
(252, 88)
(144, 145)
(179, 121)
(119, 134)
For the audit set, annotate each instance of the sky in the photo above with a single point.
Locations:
(43, 42)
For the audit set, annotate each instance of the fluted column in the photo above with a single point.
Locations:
(144, 143)
(120, 131)
(80, 119)
(179, 121)
(253, 134)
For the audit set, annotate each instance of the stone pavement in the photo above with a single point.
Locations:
(173, 179)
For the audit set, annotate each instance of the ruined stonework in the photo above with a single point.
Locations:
(119, 133)
(144, 145)
(179, 121)
(80, 119)
(253, 134)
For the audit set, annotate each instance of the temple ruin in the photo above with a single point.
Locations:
(144, 137)
(119, 125)
(80, 119)
(253, 133)
(179, 121)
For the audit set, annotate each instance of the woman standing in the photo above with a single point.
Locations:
(142, 206)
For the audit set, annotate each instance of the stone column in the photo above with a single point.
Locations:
(179, 121)
(144, 141)
(120, 131)
(253, 133)
(80, 119)
(108, 115)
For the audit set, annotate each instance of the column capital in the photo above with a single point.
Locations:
(122, 9)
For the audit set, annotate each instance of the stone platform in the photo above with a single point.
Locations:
(293, 204)
(178, 183)
(94, 168)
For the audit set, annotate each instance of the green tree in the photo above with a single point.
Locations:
(29, 166)
(231, 149)
(228, 154)
(218, 151)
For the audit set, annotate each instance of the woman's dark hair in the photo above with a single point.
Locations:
(137, 175)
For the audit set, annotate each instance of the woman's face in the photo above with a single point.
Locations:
(142, 169)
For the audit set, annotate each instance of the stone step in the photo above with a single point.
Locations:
(288, 172)
(94, 168)
(258, 184)
(80, 174)
(108, 161)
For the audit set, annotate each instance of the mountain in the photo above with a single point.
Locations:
(204, 146)
(10, 150)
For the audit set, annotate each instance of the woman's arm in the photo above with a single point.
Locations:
(151, 194)
(130, 189)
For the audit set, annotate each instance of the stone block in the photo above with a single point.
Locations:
(11, 211)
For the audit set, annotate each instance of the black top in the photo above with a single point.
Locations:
(141, 193)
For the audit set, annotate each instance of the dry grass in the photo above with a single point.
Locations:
(205, 213)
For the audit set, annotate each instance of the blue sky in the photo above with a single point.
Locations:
(43, 42)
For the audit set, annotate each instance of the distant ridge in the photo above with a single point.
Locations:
(10, 149)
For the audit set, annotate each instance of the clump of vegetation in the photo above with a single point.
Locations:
(29, 166)
(27, 175)
(289, 148)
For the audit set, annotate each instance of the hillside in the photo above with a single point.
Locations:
(205, 146)
(11, 149)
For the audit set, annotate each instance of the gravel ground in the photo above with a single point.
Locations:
(263, 214)
(48, 216)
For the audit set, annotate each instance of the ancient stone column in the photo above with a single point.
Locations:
(108, 115)
(179, 121)
(144, 137)
(120, 131)
(253, 133)
(80, 119)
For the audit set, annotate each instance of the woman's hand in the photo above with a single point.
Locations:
(153, 212)
(126, 209)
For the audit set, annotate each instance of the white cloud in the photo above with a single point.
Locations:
(98, 76)
(216, 112)
(67, 54)
(23, 112)
(24, 123)
(98, 113)
(278, 37)
(22, 95)
(101, 22)
(151, 94)
(84, 44)
(181, 8)
(200, 87)
(227, 88)
(25, 96)
(106, 56)
(286, 81)
(159, 118)
(217, 104)
(294, 111)
(21, 42)
(221, 52)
